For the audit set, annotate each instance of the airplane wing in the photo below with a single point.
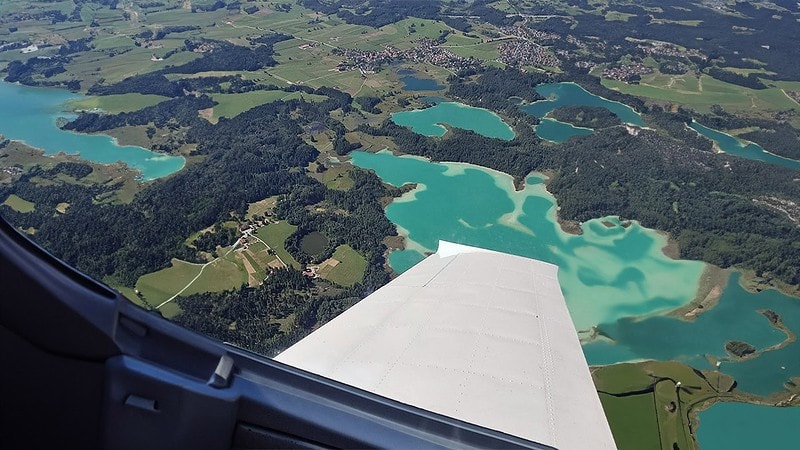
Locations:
(473, 334)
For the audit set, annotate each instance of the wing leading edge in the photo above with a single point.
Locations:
(478, 335)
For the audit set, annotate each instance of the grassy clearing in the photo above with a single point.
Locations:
(350, 269)
(338, 178)
(275, 235)
(287, 323)
(616, 16)
(261, 207)
(746, 72)
(231, 105)
(158, 286)
(220, 275)
(623, 378)
(114, 104)
(19, 204)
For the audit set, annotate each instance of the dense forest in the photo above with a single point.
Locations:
(248, 317)
(493, 89)
(181, 111)
(714, 38)
(586, 116)
(258, 154)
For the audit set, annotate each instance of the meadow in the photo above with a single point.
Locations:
(19, 204)
(231, 105)
(699, 93)
(275, 235)
(350, 269)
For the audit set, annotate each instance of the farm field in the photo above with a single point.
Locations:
(701, 93)
(231, 105)
(222, 274)
(633, 420)
(275, 235)
(350, 267)
(114, 104)
(647, 409)
(158, 286)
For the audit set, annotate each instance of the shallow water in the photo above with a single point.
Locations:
(734, 426)
(556, 131)
(29, 114)
(428, 121)
(609, 272)
(736, 317)
(733, 146)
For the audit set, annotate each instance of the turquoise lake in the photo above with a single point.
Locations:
(744, 426)
(735, 317)
(29, 114)
(614, 276)
(730, 144)
(611, 271)
(571, 94)
(555, 131)
(429, 121)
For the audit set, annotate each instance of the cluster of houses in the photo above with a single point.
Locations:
(426, 51)
(657, 48)
(525, 53)
(627, 72)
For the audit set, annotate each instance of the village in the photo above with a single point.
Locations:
(426, 51)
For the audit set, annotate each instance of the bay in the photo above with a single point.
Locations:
(29, 114)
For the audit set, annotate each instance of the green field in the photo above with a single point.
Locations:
(485, 51)
(350, 269)
(338, 178)
(616, 16)
(700, 93)
(633, 421)
(231, 105)
(645, 407)
(275, 235)
(623, 378)
(261, 207)
(19, 204)
(114, 104)
(223, 274)
(157, 287)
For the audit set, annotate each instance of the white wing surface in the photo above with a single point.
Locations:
(481, 336)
